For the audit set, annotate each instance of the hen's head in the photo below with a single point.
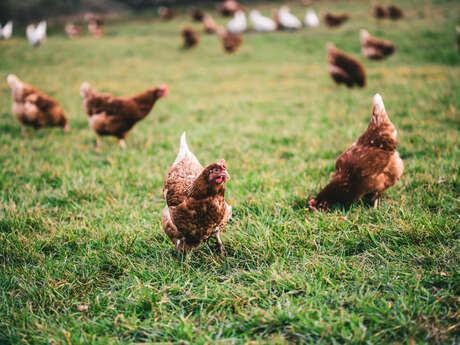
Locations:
(161, 91)
(85, 90)
(217, 173)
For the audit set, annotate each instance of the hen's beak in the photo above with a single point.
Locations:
(226, 175)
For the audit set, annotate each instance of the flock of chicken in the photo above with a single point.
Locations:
(195, 196)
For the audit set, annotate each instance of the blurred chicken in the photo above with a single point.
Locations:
(36, 34)
(335, 20)
(73, 31)
(7, 30)
(116, 116)
(261, 23)
(369, 167)
(195, 200)
(380, 12)
(395, 12)
(286, 20)
(34, 108)
(311, 19)
(238, 24)
(197, 14)
(229, 8)
(95, 24)
(230, 42)
(209, 25)
(190, 37)
(375, 49)
(166, 13)
(344, 68)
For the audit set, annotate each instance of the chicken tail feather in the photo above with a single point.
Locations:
(85, 89)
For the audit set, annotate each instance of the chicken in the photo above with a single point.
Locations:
(36, 34)
(7, 30)
(335, 20)
(197, 14)
(116, 116)
(166, 13)
(380, 12)
(195, 200)
(209, 25)
(261, 23)
(344, 68)
(311, 19)
(395, 12)
(286, 20)
(238, 24)
(73, 31)
(34, 108)
(95, 25)
(190, 37)
(230, 42)
(229, 8)
(375, 49)
(369, 167)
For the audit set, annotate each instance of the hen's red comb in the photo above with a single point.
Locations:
(221, 163)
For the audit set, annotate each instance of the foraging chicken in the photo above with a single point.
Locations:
(7, 30)
(380, 12)
(73, 31)
(230, 42)
(229, 8)
(286, 20)
(311, 19)
(335, 20)
(344, 68)
(395, 12)
(238, 24)
(116, 116)
(190, 37)
(95, 25)
(166, 13)
(209, 25)
(36, 34)
(197, 14)
(261, 23)
(195, 200)
(369, 167)
(375, 49)
(34, 108)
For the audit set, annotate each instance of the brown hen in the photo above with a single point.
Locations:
(344, 68)
(369, 167)
(374, 48)
(335, 20)
(190, 37)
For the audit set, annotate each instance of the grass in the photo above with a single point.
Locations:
(80, 227)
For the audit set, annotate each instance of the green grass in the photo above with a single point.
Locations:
(80, 227)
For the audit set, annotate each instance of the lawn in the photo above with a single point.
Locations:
(80, 227)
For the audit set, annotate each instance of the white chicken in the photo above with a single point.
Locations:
(7, 30)
(238, 24)
(287, 20)
(261, 23)
(311, 19)
(36, 34)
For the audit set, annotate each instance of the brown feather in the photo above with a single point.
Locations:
(190, 37)
(344, 68)
(335, 20)
(376, 49)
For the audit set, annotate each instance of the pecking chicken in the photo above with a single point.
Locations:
(380, 12)
(238, 24)
(116, 116)
(230, 42)
(335, 20)
(229, 7)
(374, 48)
(311, 19)
(344, 68)
(36, 34)
(369, 167)
(209, 25)
(261, 23)
(195, 200)
(7, 31)
(190, 37)
(395, 12)
(286, 20)
(34, 108)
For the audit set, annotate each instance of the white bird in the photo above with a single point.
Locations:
(238, 24)
(7, 30)
(287, 20)
(261, 23)
(36, 34)
(311, 19)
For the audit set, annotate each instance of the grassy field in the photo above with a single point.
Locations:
(80, 227)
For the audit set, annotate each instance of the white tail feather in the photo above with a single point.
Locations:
(184, 150)
(363, 35)
(378, 103)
